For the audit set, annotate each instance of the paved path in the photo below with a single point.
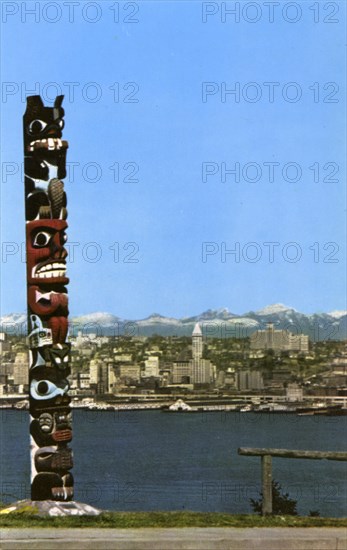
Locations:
(175, 539)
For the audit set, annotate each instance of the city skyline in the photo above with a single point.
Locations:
(105, 365)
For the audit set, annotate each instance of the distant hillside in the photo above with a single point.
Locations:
(218, 323)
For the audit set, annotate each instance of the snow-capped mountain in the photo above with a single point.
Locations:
(15, 318)
(218, 323)
(103, 319)
(14, 323)
(337, 314)
(156, 318)
(273, 309)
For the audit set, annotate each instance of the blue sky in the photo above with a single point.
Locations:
(164, 134)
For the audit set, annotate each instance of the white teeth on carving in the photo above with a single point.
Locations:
(51, 274)
(49, 271)
(52, 143)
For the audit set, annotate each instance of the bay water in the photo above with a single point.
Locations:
(151, 460)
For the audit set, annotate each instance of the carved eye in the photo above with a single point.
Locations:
(36, 126)
(45, 389)
(42, 239)
(58, 360)
(60, 123)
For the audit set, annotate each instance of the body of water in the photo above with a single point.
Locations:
(150, 460)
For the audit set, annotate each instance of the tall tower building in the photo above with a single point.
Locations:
(197, 344)
(201, 371)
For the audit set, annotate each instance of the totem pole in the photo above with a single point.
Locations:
(45, 214)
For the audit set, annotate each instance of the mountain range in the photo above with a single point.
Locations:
(217, 323)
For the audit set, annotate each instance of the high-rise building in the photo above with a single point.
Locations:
(101, 375)
(195, 370)
(249, 380)
(201, 370)
(279, 340)
(181, 372)
(21, 369)
(152, 366)
(197, 343)
(93, 371)
(129, 372)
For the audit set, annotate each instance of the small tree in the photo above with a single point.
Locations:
(281, 502)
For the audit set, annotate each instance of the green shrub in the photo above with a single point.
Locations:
(282, 504)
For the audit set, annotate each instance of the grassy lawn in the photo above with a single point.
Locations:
(125, 520)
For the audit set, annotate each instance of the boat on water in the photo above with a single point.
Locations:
(246, 408)
(22, 405)
(180, 406)
(327, 410)
(274, 408)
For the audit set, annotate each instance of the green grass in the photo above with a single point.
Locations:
(121, 520)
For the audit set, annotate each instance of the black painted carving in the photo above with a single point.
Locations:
(46, 214)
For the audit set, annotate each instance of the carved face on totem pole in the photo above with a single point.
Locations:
(46, 255)
(42, 136)
(41, 122)
(46, 269)
(45, 209)
(48, 393)
(52, 428)
(44, 159)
